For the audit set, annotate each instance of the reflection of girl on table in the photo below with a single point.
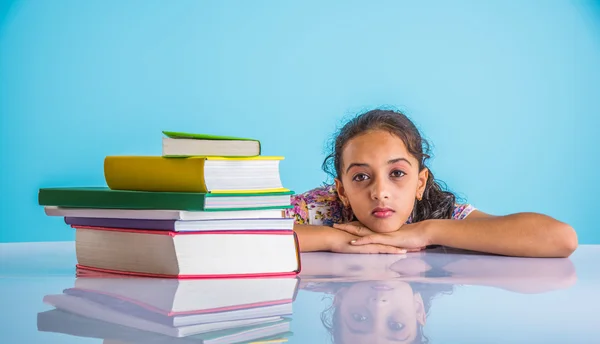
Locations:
(379, 298)
(386, 200)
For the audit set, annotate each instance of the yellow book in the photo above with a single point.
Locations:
(259, 174)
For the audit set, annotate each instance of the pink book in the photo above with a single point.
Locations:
(188, 255)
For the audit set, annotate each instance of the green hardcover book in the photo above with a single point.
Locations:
(182, 135)
(103, 197)
(179, 144)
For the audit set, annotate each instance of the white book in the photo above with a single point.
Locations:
(185, 226)
(195, 147)
(151, 214)
(189, 254)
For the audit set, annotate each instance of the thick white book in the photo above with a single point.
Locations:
(151, 214)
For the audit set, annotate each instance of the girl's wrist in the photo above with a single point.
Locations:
(330, 239)
(431, 230)
(314, 238)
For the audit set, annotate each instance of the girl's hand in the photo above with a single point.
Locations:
(412, 237)
(340, 242)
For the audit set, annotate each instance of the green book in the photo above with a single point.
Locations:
(179, 144)
(104, 197)
(181, 135)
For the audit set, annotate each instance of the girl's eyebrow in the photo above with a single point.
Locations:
(393, 161)
(362, 164)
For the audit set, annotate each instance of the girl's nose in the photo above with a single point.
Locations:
(379, 191)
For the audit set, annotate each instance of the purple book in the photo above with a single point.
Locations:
(181, 226)
(164, 225)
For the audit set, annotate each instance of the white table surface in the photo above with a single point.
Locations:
(439, 296)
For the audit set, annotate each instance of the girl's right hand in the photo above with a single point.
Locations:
(358, 230)
(339, 241)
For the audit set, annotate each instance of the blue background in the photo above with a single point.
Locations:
(507, 91)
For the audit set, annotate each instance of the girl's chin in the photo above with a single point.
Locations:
(384, 227)
(378, 225)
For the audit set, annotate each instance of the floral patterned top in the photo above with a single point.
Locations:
(322, 206)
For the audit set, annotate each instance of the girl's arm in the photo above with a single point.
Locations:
(313, 238)
(522, 234)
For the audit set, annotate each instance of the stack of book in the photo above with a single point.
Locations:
(209, 206)
(151, 310)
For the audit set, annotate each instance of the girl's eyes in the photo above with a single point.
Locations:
(397, 174)
(359, 317)
(395, 326)
(359, 177)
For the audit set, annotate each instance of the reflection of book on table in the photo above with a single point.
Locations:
(182, 308)
(59, 321)
(202, 299)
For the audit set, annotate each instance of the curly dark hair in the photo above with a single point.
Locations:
(437, 203)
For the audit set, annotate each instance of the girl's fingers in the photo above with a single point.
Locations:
(352, 229)
(369, 239)
(416, 249)
(376, 248)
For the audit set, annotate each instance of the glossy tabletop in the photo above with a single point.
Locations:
(437, 296)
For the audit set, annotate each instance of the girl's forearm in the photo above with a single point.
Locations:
(523, 234)
(313, 238)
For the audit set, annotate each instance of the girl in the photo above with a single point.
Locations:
(386, 200)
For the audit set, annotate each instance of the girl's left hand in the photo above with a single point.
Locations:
(411, 237)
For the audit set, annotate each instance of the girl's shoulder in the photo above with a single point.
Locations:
(322, 194)
(318, 206)
(461, 211)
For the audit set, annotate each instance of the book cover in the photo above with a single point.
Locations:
(185, 255)
(194, 174)
(103, 197)
(182, 226)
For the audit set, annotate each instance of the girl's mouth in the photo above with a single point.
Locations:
(381, 287)
(382, 213)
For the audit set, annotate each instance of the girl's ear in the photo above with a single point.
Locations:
(420, 309)
(423, 176)
(338, 296)
(341, 192)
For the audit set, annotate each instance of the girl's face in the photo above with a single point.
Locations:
(379, 312)
(380, 180)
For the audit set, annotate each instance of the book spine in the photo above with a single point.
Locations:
(164, 225)
(110, 199)
(172, 233)
(154, 173)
